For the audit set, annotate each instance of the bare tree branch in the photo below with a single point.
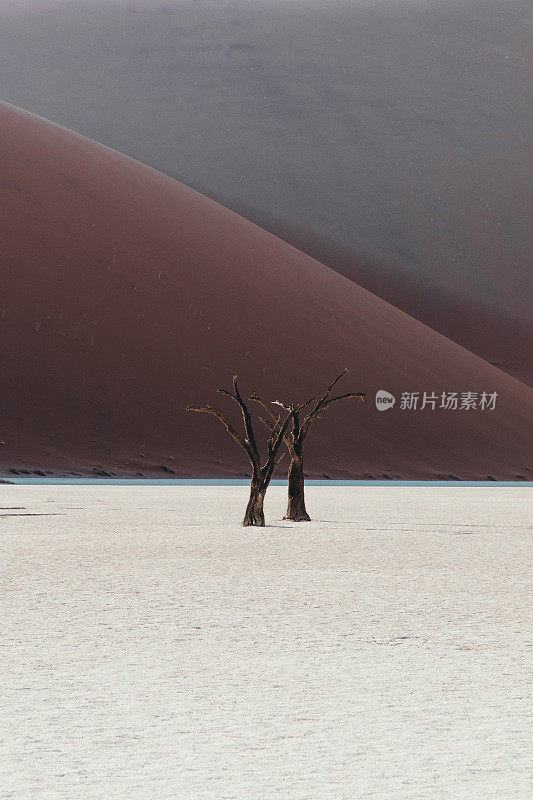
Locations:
(269, 424)
(324, 406)
(330, 389)
(261, 474)
(315, 412)
(279, 403)
(273, 445)
(294, 413)
(247, 420)
(288, 429)
(227, 424)
(245, 415)
(255, 397)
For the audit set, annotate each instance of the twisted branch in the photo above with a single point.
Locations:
(324, 402)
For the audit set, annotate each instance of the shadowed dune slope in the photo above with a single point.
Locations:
(126, 295)
(389, 140)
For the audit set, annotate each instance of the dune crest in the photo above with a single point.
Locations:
(388, 140)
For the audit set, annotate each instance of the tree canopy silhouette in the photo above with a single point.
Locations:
(262, 469)
(294, 438)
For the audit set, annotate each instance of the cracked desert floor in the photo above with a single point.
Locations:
(153, 648)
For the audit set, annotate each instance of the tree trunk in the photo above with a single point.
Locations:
(296, 508)
(254, 510)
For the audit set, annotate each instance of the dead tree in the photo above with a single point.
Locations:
(294, 439)
(261, 475)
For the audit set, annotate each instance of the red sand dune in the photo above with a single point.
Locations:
(387, 140)
(494, 332)
(126, 295)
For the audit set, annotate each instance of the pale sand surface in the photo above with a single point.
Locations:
(152, 648)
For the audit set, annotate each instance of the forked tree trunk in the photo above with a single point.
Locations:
(296, 510)
(261, 475)
(254, 510)
(294, 439)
